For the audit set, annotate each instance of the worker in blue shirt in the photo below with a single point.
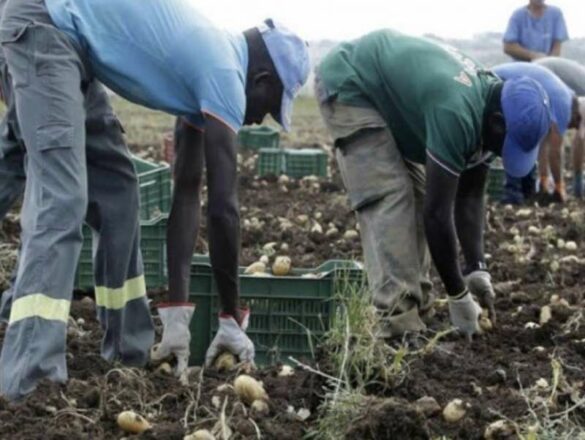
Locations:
(564, 111)
(535, 31)
(166, 56)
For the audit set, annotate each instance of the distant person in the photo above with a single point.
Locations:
(572, 74)
(535, 31)
(565, 115)
(415, 123)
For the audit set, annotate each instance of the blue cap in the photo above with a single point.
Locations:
(528, 119)
(290, 55)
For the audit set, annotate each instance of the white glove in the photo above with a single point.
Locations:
(464, 313)
(479, 284)
(231, 337)
(176, 334)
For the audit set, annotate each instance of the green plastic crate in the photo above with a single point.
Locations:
(254, 138)
(305, 162)
(155, 188)
(270, 161)
(152, 244)
(496, 182)
(285, 310)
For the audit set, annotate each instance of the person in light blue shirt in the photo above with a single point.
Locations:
(164, 55)
(564, 112)
(535, 31)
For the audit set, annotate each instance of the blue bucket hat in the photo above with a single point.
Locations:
(527, 113)
(290, 56)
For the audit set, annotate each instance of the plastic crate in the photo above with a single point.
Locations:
(254, 138)
(305, 162)
(496, 182)
(270, 161)
(289, 314)
(154, 256)
(155, 188)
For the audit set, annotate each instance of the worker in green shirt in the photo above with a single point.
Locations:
(415, 123)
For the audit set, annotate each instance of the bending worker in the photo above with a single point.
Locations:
(565, 115)
(163, 55)
(572, 74)
(415, 123)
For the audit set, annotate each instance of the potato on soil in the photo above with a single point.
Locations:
(454, 411)
(201, 434)
(225, 362)
(249, 389)
(286, 370)
(281, 266)
(499, 429)
(260, 407)
(133, 423)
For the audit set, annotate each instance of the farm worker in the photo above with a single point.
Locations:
(534, 31)
(163, 55)
(415, 123)
(278, 66)
(572, 74)
(565, 115)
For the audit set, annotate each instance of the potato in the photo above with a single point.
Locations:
(486, 324)
(225, 362)
(454, 411)
(201, 434)
(281, 266)
(165, 368)
(286, 370)
(257, 267)
(261, 407)
(249, 389)
(351, 234)
(545, 315)
(133, 423)
(499, 429)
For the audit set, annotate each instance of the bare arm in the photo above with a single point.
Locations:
(543, 165)
(441, 190)
(470, 213)
(521, 54)
(223, 216)
(555, 141)
(556, 49)
(185, 213)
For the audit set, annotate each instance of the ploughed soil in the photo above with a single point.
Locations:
(523, 369)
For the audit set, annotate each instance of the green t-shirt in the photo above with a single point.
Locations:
(431, 96)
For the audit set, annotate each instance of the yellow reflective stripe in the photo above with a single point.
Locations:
(38, 305)
(115, 299)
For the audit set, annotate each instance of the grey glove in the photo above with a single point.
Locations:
(479, 284)
(231, 337)
(176, 334)
(464, 313)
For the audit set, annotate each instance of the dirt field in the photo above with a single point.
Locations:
(527, 373)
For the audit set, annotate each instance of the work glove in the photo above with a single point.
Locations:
(232, 337)
(578, 185)
(464, 313)
(176, 318)
(479, 283)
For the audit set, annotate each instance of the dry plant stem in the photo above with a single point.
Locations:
(345, 356)
(312, 370)
(222, 419)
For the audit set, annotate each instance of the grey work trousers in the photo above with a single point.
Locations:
(77, 166)
(387, 193)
